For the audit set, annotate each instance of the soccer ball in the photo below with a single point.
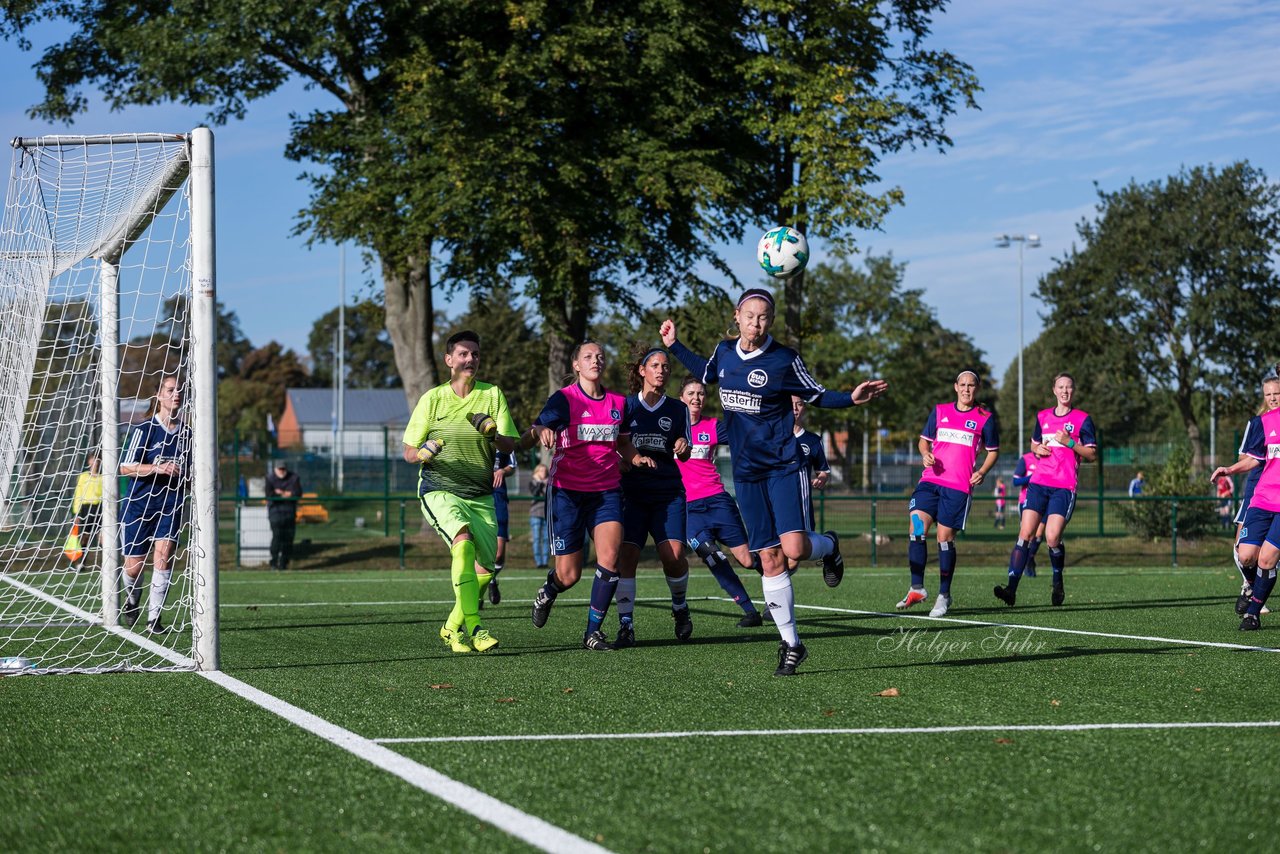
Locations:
(782, 252)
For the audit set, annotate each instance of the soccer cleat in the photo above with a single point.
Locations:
(1264, 610)
(131, 611)
(155, 627)
(596, 641)
(684, 624)
(482, 641)
(626, 636)
(789, 658)
(1005, 595)
(941, 605)
(495, 595)
(542, 608)
(913, 597)
(833, 564)
(1059, 595)
(751, 621)
(455, 639)
(1250, 623)
(1242, 601)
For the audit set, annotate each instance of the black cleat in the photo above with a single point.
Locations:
(684, 624)
(1059, 595)
(751, 621)
(131, 611)
(1005, 595)
(542, 607)
(495, 595)
(768, 616)
(626, 636)
(596, 641)
(1250, 623)
(1242, 601)
(789, 658)
(833, 564)
(155, 627)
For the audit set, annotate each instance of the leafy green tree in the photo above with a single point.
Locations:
(1155, 519)
(1184, 270)
(369, 356)
(245, 401)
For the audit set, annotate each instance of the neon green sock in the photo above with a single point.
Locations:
(466, 591)
(483, 579)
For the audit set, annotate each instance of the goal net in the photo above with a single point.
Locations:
(108, 514)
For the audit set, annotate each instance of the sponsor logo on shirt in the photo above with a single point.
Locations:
(740, 401)
(757, 379)
(1273, 452)
(701, 452)
(649, 441)
(664, 422)
(597, 432)
(958, 437)
(804, 447)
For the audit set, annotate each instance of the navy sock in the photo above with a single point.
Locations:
(729, 581)
(1017, 563)
(553, 587)
(946, 566)
(917, 555)
(1058, 560)
(1263, 583)
(602, 589)
(1034, 546)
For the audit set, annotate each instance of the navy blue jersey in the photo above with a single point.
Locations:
(150, 443)
(755, 393)
(653, 433)
(503, 460)
(815, 455)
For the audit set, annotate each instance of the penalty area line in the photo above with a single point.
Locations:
(906, 730)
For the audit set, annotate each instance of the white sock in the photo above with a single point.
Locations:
(780, 601)
(625, 596)
(133, 588)
(820, 546)
(159, 589)
(678, 587)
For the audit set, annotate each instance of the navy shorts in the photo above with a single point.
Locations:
(142, 525)
(644, 516)
(573, 516)
(948, 507)
(1051, 501)
(501, 512)
(715, 519)
(1260, 525)
(1246, 495)
(773, 507)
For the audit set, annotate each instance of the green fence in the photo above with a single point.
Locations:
(387, 531)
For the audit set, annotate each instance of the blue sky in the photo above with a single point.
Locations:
(1073, 93)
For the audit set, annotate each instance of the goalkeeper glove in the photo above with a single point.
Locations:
(484, 423)
(429, 449)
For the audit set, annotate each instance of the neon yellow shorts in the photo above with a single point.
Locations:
(448, 514)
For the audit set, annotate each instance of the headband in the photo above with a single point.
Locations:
(756, 293)
(645, 359)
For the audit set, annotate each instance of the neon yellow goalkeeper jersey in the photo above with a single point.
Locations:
(464, 467)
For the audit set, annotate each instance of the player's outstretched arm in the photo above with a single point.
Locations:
(868, 391)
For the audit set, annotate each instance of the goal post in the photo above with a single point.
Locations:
(107, 295)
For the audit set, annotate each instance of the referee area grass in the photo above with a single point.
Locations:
(692, 747)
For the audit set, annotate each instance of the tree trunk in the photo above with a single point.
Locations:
(1183, 401)
(410, 320)
(565, 326)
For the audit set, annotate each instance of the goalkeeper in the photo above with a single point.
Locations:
(452, 434)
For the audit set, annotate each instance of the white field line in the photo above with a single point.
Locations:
(562, 598)
(992, 624)
(909, 730)
(527, 828)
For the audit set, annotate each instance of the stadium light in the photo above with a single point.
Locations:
(1032, 241)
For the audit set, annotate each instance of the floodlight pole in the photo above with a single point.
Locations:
(1033, 241)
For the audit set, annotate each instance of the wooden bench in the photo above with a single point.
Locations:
(310, 510)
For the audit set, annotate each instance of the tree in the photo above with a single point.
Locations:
(369, 356)
(148, 356)
(1183, 269)
(245, 401)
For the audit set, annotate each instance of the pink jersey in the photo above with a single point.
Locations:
(1266, 495)
(1029, 461)
(1060, 468)
(957, 436)
(586, 456)
(700, 475)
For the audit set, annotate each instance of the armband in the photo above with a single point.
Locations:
(1071, 443)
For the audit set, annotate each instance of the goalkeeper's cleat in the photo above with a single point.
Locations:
(1242, 601)
(1005, 595)
(684, 624)
(155, 627)
(482, 641)
(626, 635)
(495, 595)
(914, 596)
(542, 607)
(941, 605)
(752, 620)
(1250, 623)
(596, 641)
(789, 658)
(455, 639)
(131, 612)
(1059, 595)
(833, 564)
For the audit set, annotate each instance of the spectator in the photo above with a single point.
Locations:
(538, 516)
(1135, 485)
(283, 491)
(1226, 492)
